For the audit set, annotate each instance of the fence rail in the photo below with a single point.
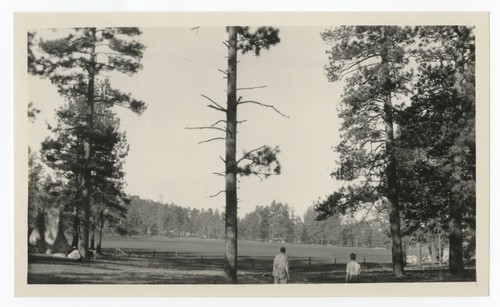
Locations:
(201, 258)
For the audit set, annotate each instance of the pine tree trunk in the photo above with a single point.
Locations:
(92, 237)
(101, 226)
(83, 244)
(394, 219)
(456, 266)
(434, 251)
(87, 173)
(419, 255)
(391, 172)
(230, 266)
(440, 248)
(76, 226)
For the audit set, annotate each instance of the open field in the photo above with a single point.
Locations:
(198, 261)
(211, 247)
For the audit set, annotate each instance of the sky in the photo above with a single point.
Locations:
(165, 161)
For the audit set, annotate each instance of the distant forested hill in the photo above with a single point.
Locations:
(275, 222)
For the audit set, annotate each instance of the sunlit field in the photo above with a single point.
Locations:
(211, 247)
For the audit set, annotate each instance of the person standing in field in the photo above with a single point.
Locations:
(353, 270)
(280, 267)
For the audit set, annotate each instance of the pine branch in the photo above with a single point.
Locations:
(219, 107)
(264, 105)
(108, 54)
(215, 108)
(359, 62)
(248, 153)
(210, 140)
(217, 122)
(251, 88)
(217, 194)
(367, 212)
(210, 127)
(258, 174)
(123, 106)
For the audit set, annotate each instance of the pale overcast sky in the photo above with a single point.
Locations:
(165, 161)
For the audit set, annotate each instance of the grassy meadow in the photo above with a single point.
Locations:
(214, 248)
(133, 260)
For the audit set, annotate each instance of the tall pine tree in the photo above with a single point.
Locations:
(64, 154)
(373, 61)
(75, 63)
(438, 132)
(261, 161)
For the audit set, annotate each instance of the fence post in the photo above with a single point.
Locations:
(335, 260)
(175, 255)
(309, 261)
(364, 260)
(154, 252)
(201, 258)
(251, 262)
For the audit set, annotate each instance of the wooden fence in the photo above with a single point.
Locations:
(200, 258)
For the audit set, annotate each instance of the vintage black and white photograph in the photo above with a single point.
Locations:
(251, 153)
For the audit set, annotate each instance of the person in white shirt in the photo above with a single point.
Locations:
(280, 268)
(353, 270)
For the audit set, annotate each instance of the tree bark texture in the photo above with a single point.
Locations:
(391, 169)
(434, 251)
(76, 226)
(419, 255)
(456, 266)
(92, 235)
(391, 173)
(230, 266)
(101, 226)
(87, 173)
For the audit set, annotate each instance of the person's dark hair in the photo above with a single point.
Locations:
(282, 250)
(353, 256)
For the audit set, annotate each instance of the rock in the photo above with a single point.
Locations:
(75, 254)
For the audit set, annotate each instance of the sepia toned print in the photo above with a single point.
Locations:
(174, 153)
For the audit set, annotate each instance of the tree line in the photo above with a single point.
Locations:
(150, 218)
(275, 222)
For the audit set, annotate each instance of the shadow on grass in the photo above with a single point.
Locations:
(193, 269)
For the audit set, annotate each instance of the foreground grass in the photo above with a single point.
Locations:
(113, 269)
